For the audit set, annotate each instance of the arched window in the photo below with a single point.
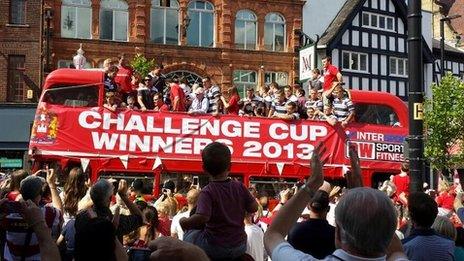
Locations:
(274, 32)
(200, 31)
(164, 27)
(76, 19)
(114, 20)
(245, 30)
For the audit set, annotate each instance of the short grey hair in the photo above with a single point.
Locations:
(101, 192)
(31, 187)
(367, 220)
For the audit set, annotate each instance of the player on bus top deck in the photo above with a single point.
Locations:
(331, 73)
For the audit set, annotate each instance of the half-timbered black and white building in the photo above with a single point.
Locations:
(367, 40)
(454, 60)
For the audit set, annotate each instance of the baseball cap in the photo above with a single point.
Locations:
(320, 201)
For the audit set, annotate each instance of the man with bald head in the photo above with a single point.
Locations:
(176, 229)
(365, 222)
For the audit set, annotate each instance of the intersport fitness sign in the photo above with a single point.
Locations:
(170, 135)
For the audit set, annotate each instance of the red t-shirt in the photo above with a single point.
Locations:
(176, 91)
(233, 105)
(402, 184)
(330, 75)
(445, 200)
(12, 195)
(163, 108)
(124, 79)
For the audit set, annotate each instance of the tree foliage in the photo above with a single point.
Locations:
(444, 123)
(142, 65)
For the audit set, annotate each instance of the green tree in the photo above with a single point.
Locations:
(142, 65)
(444, 124)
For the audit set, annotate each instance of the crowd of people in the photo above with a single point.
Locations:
(45, 217)
(327, 99)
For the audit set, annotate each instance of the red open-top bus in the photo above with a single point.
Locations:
(71, 127)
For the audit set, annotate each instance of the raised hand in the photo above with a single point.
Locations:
(317, 176)
(122, 188)
(353, 177)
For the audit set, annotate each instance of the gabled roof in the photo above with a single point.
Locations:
(346, 15)
(448, 47)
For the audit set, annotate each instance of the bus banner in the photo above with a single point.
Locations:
(96, 132)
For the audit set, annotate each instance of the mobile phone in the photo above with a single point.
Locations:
(139, 254)
(196, 181)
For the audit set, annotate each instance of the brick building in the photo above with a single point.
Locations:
(20, 30)
(246, 43)
(20, 75)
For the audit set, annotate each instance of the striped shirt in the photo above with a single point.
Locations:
(254, 100)
(213, 95)
(279, 107)
(315, 104)
(342, 108)
(17, 232)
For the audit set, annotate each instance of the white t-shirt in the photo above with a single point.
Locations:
(255, 242)
(175, 226)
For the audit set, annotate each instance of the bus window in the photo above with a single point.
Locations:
(147, 178)
(271, 187)
(376, 114)
(73, 96)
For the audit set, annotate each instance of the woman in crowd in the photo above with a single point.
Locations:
(232, 105)
(16, 179)
(75, 189)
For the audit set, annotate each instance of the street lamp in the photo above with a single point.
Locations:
(442, 41)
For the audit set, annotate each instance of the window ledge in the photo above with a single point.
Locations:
(355, 71)
(18, 25)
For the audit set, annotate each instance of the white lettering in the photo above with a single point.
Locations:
(199, 145)
(168, 127)
(317, 131)
(183, 145)
(108, 121)
(294, 134)
(93, 115)
(123, 142)
(190, 126)
(151, 125)
(236, 130)
(283, 131)
(159, 143)
(135, 123)
(135, 142)
(251, 129)
(211, 127)
(104, 140)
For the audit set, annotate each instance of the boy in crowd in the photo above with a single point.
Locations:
(292, 112)
(217, 225)
(278, 106)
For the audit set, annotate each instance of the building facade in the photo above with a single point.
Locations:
(242, 43)
(367, 40)
(20, 77)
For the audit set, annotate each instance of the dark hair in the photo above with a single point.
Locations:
(216, 158)
(405, 167)
(315, 70)
(16, 179)
(74, 190)
(328, 58)
(250, 89)
(137, 184)
(183, 80)
(459, 237)
(422, 209)
(113, 68)
(175, 80)
(292, 104)
(122, 56)
(303, 93)
(95, 241)
(159, 95)
(158, 66)
(274, 84)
